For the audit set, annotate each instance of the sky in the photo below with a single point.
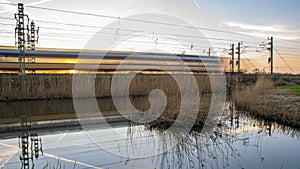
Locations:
(252, 21)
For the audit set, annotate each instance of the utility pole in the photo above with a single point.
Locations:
(231, 82)
(33, 36)
(232, 58)
(32, 39)
(271, 49)
(20, 35)
(238, 62)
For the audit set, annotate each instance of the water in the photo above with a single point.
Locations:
(239, 142)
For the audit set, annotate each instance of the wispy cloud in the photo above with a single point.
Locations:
(263, 35)
(279, 31)
(262, 28)
(252, 27)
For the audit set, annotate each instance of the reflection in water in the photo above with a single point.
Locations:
(237, 142)
(29, 142)
(41, 110)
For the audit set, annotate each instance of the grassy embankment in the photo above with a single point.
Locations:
(268, 102)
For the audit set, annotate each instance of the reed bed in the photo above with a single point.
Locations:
(37, 88)
(47, 87)
(263, 101)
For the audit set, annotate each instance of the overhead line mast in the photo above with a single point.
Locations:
(238, 62)
(271, 49)
(232, 58)
(24, 34)
(20, 35)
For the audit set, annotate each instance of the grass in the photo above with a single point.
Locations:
(262, 101)
(252, 95)
(295, 90)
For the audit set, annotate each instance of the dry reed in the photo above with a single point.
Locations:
(260, 100)
(48, 87)
(37, 87)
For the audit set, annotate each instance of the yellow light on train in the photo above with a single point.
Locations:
(71, 61)
(72, 71)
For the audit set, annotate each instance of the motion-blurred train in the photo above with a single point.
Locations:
(63, 60)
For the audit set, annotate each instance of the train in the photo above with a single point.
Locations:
(97, 61)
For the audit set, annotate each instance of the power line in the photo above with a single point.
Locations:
(8, 24)
(294, 41)
(244, 63)
(56, 28)
(162, 44)
(289, 54)
(248, 60)
(135, 31)
(6, 3)
(6, 18)
(289, 48)
(55, 35)
(135, 20)
(129, 19)
(284, 61)
(120, 29)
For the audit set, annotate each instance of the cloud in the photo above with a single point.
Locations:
(263, 35)
(279, 31)
(252, 27)
(262, 28)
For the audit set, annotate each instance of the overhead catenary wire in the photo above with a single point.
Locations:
(72, 24)
(130, 19)
(288, 40)
(64, 35)
(284, 61)
(135, 35)
(135, 31)
(135, 20)
(248, 60)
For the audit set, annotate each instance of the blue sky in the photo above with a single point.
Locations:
(282, 15)
(256, 11)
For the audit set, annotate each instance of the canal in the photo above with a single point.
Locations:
(238, 141)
